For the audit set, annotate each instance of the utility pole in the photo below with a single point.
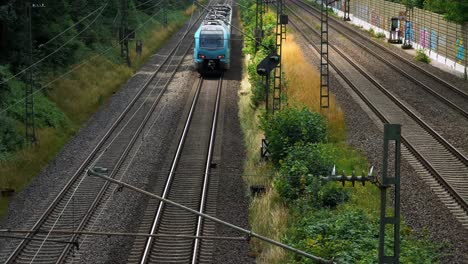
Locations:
(124, 52)
(324, 68)
(281, 22)
(165, 12)
(258, 34)
(29, 101)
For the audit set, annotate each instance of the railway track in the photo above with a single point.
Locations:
(188, 183)
(441, 165)
(454, 97)
(76, 205)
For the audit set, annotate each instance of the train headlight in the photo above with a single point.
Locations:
(220, 56)
(201, 56)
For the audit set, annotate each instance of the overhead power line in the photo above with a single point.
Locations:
(101, 9)
(78, 65)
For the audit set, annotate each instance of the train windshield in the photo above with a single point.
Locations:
(212, 39)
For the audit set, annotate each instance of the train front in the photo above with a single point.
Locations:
(211, 54)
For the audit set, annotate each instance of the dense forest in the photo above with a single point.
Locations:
(64, 33)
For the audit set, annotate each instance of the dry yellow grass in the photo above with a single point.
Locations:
(303, 88)
(27, 162)
(267, 214)
(81, 93)
(78, 95)
(152, 42)
(268, 217)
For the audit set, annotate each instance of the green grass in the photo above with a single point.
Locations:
(78, 95)
(422, 56)
(295, 220)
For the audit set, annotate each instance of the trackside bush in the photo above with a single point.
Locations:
(349, 237)
(292, 126)
(10, 139)
(422, 57)
(300, 166)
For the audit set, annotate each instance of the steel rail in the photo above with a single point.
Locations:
(446, 185)
(398, 56)
(436, 135)
(212, 218)
(207, 170)
(175, 161)
(436, 94)
(100, 144)
(108, 234)
(124, 154)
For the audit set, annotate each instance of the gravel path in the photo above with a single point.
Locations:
(421, 209)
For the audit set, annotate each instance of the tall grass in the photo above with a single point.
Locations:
(84, 90)
(79, 95)
(267, 214)
(303, 88)
(18, 172)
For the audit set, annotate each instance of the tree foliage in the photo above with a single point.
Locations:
(56, 17)
(292, 126)
(64, 33)
(453, 10)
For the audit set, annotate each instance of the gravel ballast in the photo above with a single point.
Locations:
(125, 208)
(421, 208)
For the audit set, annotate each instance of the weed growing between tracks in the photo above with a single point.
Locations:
(75, 98)
(298, 208)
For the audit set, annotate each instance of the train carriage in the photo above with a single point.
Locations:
(212, 51)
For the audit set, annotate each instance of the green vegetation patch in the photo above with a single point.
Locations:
(80, 78)
(292, 126)
(422, 56)
(299, 207)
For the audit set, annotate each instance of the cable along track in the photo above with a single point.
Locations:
(430, 152)
(75, 206)
(454, 97)
(188, 182)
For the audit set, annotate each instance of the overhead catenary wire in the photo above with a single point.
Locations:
(101, 9)
(77, 66)
(144, 135)
(144, 3)
(70, 27)
(93, 164)
(236, 28)
(211, 218)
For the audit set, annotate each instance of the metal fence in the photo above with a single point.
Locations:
(429, 31)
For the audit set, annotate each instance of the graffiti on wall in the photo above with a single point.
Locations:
(424, 38)
(409, 33)
(460, 49)
(433, 46)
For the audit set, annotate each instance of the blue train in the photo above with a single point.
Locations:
(212, 52)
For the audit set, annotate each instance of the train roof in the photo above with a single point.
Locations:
(218, 15)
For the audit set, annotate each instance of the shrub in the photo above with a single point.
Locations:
(331, 195)
(301, 166)
(291, 126)
(10, 139)
(380, 35)
(422, 57)
(348, 237)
